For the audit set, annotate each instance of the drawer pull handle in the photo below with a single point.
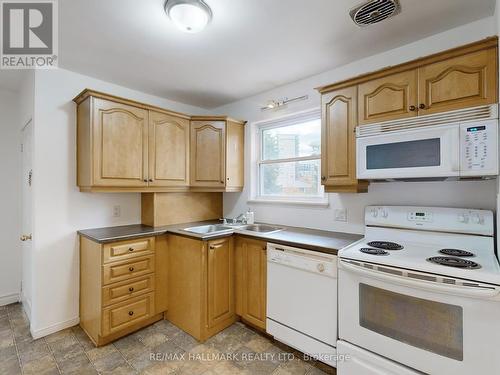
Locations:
(131, 269)
(130, 249)
(131, 313)
(131, 289)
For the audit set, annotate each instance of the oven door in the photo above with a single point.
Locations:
(429, 326)
(422, 153)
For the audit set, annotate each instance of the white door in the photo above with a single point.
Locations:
(26, 183)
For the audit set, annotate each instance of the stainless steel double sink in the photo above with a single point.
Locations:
(215, 229)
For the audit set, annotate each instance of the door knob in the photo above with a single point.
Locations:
(25, 237)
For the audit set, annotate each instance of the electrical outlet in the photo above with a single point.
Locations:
(340, 214)
(117, 211)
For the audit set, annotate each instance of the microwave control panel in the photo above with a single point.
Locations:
(478, 148)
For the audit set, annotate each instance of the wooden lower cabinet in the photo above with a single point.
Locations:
(201, 285)
(251, 281)
(122, 286)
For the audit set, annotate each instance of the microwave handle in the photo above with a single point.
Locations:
(458, 290)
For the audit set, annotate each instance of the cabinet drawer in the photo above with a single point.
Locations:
(123, 315)
(115, 272)
(128, 249)
(125, 290)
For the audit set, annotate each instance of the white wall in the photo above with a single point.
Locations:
(10, 198)
(59, 208)
(480, 194)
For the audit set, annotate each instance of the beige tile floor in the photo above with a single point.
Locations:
(158, 349)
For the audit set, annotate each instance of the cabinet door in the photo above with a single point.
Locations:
(120, 145)
(338, 138)
(168, 150)
(220, 281)
(460, 82)
(388, 98)
(208, 153)
(235, 155)
(252, 281)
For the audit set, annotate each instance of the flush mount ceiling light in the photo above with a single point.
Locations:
(190, 16)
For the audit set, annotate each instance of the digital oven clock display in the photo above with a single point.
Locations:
(476, 129)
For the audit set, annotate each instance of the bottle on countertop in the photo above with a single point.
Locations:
(250, 215)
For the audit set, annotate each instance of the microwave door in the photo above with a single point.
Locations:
(422, 153)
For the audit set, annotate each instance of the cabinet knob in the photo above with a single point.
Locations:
(130, 249)
(212, 247)
(131, 313)
(422, 106)
(131, 269)
(145, 180)
(323, 178)
(412, 108)
(150, 180)
(131, 289)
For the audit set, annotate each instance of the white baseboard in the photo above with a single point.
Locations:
(9, 298)
(38, 333)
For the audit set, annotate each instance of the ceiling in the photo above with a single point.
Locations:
(250, 46)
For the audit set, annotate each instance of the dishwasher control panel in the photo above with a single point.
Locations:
(307, 260)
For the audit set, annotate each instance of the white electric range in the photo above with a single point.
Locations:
(420, 293)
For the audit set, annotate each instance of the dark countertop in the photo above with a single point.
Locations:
(312, 239)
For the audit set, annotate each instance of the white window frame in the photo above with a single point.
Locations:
(257, 135)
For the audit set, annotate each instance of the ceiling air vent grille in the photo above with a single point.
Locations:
(374, 11)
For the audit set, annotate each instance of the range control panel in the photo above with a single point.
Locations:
(478, 148)
(441, 219)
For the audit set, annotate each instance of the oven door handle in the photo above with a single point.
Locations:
(480, 291)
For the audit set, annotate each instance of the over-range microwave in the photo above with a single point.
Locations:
(456, 144)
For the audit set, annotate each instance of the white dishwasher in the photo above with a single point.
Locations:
(302, 300)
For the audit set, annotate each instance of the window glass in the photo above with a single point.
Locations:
(292, 141)
(290, 159)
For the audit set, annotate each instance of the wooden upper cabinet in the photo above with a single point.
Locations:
(220, 289)
(388, 98)
(120, 135)
(235, 146)
(208, 153)
(127, 146)
(464, 81)
(168, 150)
(338, 140)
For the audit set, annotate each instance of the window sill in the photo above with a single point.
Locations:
(313, 203)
